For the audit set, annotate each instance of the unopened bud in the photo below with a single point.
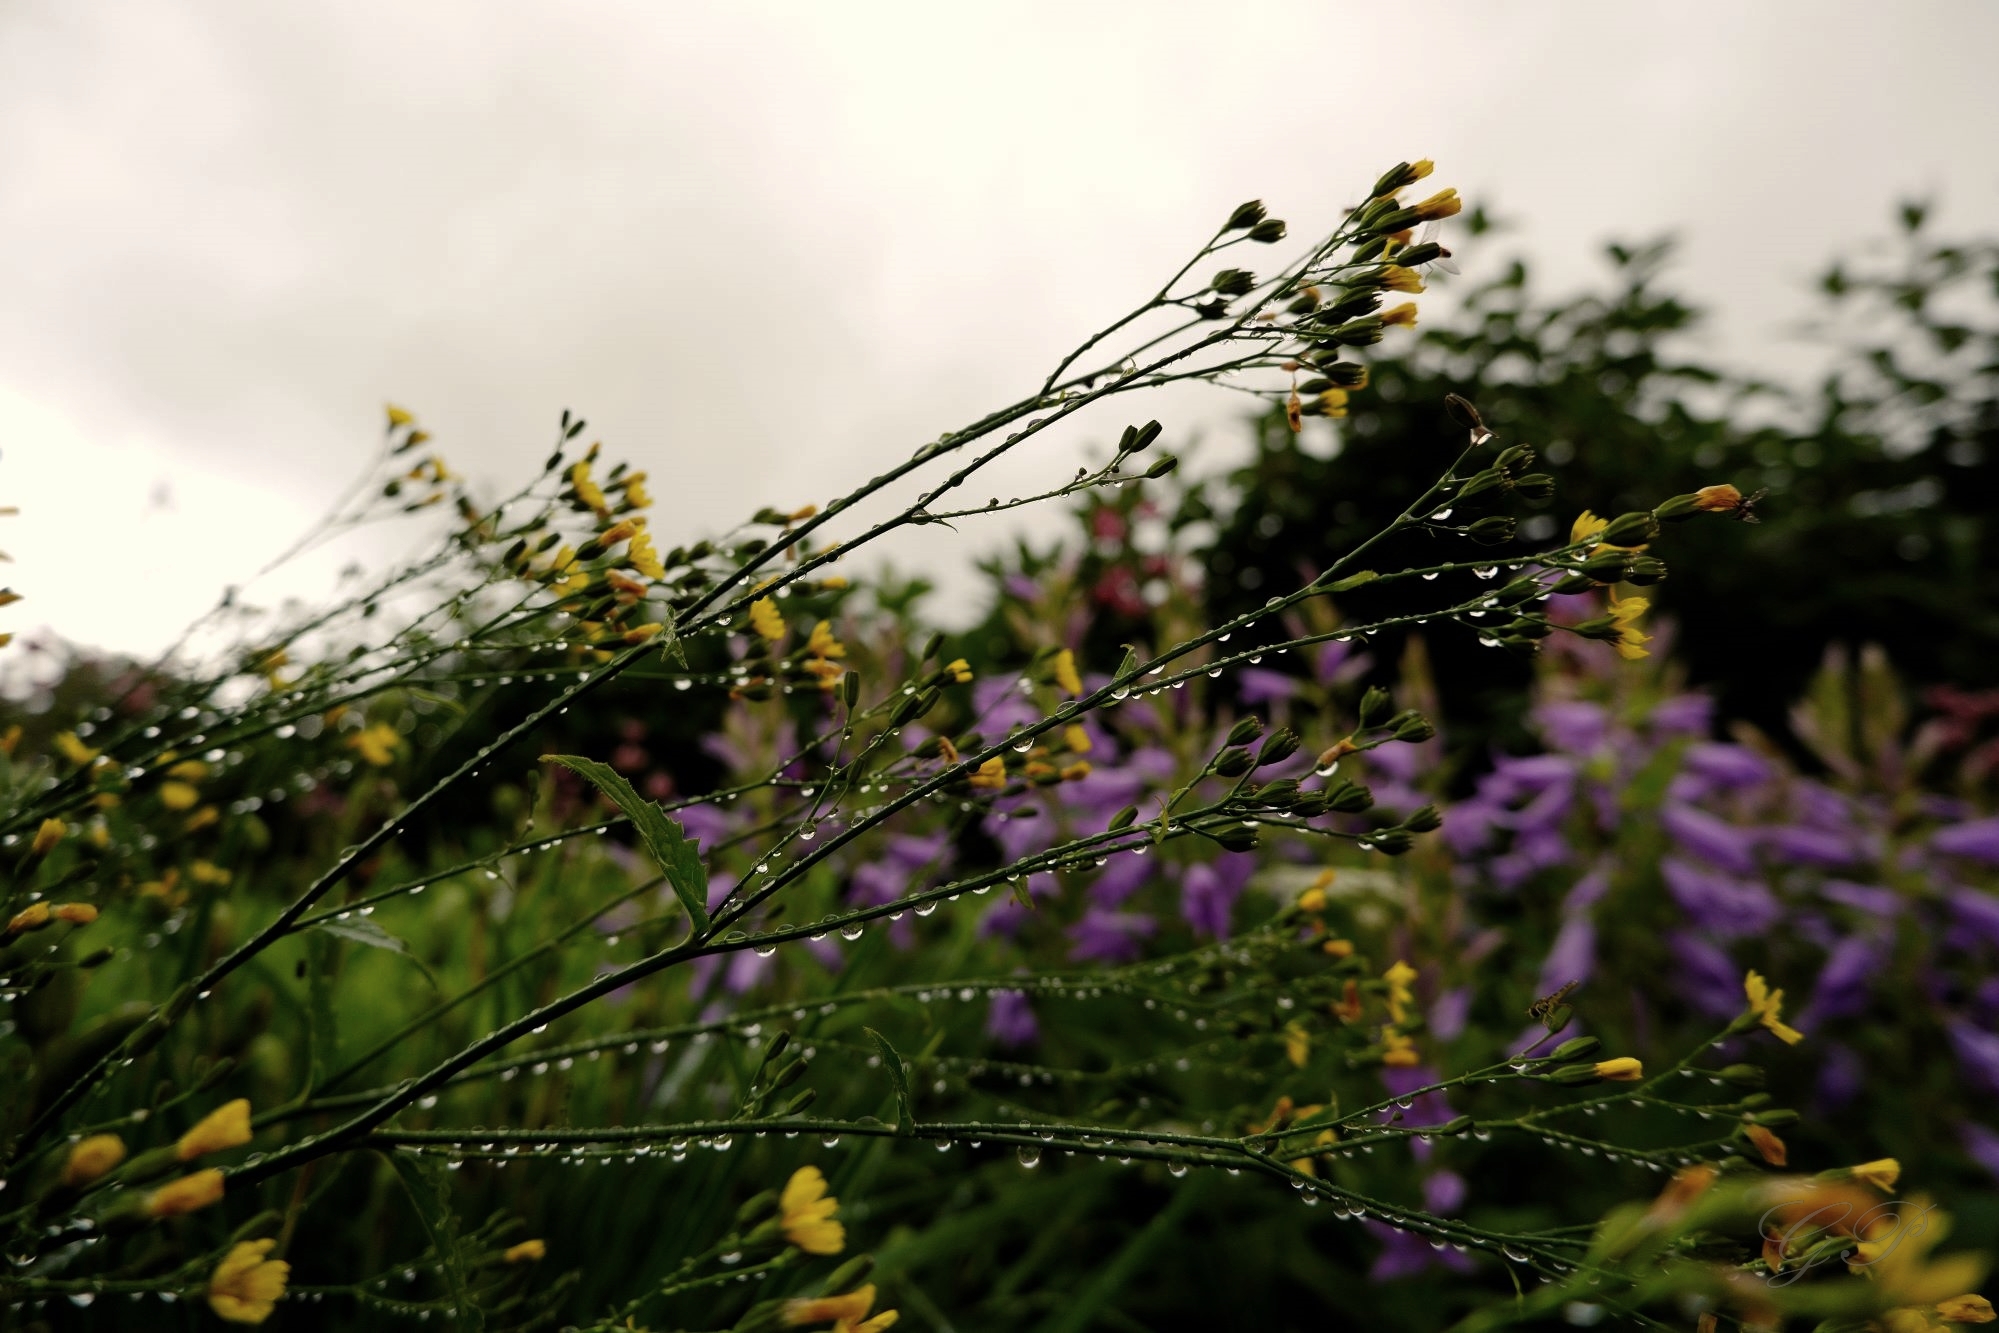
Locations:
(1534, 486)
(1349, 798)
(1236, 838)
(1493, 529)
(1481, 483)
(1374, 705)
(1246, 216)
(1575, 1048)
(1234, 763)
(1234, 282)
(1632, 529)
(1646, 570)
(1267, 231)
(1516, 457)
(1281, 745)
(1245, 731)
(1392, 841)
(1427, 819)
(1165, 464)
(1412, 727)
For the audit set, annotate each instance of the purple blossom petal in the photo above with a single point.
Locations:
(1124, 876)
(1800, 844)
(1572, 726)
(1977, 840)
(1208, 893)
(1683, 715)
(1977, 1053)
(1863, 897)
(1728, 767)
(1261, 685)
(1720, 843)
(1983, 1146)
(1842, 987)
(1975, 912)
(1109, 937)
(1572, 957)
(1443, 1193)
(1718, 903)
(1010, 1018)
(1709, 979)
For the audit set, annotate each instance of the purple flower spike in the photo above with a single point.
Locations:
(1010, 1018)
(1720, 904)
(1109, 937)
(1975, 841)
(1713, 840)
(1208, 892)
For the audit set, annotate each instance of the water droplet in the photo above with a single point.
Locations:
(851, 931)
(1441, 515)
(1430, 577)
(1029, 1157)
(764, 950)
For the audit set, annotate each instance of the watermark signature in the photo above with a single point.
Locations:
(1803, 1234)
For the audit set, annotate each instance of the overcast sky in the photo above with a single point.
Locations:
(767, 248)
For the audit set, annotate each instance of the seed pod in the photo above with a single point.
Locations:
(1142, 440)
(1742, 1076)
(1374, 705)
(1246, 216)
(1124, 818)
(1281, 745)
(1233, 763)
(1781, 1116)
(1575, 1048)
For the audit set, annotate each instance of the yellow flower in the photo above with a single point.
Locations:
(807, 1212)
(527, 1252)
(1077, 739)
(833, 582)
(201, 818)
(1881, 1174)
(398, 416)
(765, 620)
(1631, 640)
(1722, 499)
(826, 673)
(1969, 1309)
(959, 670)
(1395, 278)
(1297, 1044)
(640, 633)
(1077, 771)
(1399, 1051)
(587, 491)
(991, 775)
(77, 914)
(185, 1195)
(1338, 948)
(227, 1126)
(377, 744)
(821, 643)
(246, 1286)
(1443, 204)
(32, 917)
(1332, 403)
(1623, 1069)
(848, 1312)
(635, 492)
(1404, 314)
(92, 1157)
(47, 836)
(178, 796)
(1768, 1005)
(1065, 672)
(1587, 525)
(203, 872)
(1420, 168)
(1768, 1145)
(1400, 996)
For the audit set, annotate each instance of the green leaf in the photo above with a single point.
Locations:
(671, 649)
(361, 931)
(677, 856)
(427, 1190)
(905, 1123)
(1353, 581)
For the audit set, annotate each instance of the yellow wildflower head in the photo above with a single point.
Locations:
(47, 836)
(821, 643)
(844, 1309)
(1419, 169)
(90, 1158)
(1404, 314)
(959, 670)
(1623, 1069)
(1395, 278)
(765, 620)
(1967, 1309)
(991, 775)
(398, 416)
(640, 555)
(185, 1195)
(377, 744)
(1398, 1050)
(1076, 738)
(204, 872)
(588, 492)
(32, 917)
(189, 770)
(73, 749)
(806, 1212)
(1077, 771)
(1722, 499)
(179, 796)
(1768, 1006)
(1881, 1173)
(247, 1284)
(1443, 204)
(1586, 526)
(1065, 672)
(640, 633)
(1297, 1044)
(527, 1252)
(1400, 995)
(1768, 1145)
(227, 1126)
(77, 914)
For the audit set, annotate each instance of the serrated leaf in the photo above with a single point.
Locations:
(671, 649)
(361, 931)
(426, 1188)
(905, 1122)
(677, 855)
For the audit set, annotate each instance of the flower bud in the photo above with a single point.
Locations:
(1534, 486)
(1482, 482)
(1742, 1076)
(1236, 838)
(1234, 282)
(1139, 440)
(1281, 745)
(1428, 819)
(1400, 175)
(1632, 529)
(913, 706)
(1781, 1116)
(1608, 565)
(1279, 795)
(1166, 463)
(1374, 705)
(1234, 763)
(1575, 1076)
(1246, 216)
(1412, 727)
(1646, 570)
(1418, 254)
(1518, 591)
(1267, 231)
(1349, 798)
(1311, 804)
(1515, 458)
(1124, 818)
(1621, 1069)
(1575, 1048)
(1391, 841)
(1493, 529)
(1245, 731)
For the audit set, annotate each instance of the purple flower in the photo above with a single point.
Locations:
(1572, 726)
(1020, 826)
(1449, 1015)
(1572, 957)
(1007, 916)
(1983, 1146)
(1709, 979)
(1109, 937)
(1806, 846)
(1531, 854)
(1841, 1076)
(1727, 767)
(1261, 685)
(1842, 985)
(1977, 1053)
(1719, 843)
(1208, 892)
(1337, 663)
(1977, 841)
(1683, 715)
(1124, 876)
(1010, 1018)
(1443, 1193)
(1975, 913)
(1862, 897)
(1719, 903)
